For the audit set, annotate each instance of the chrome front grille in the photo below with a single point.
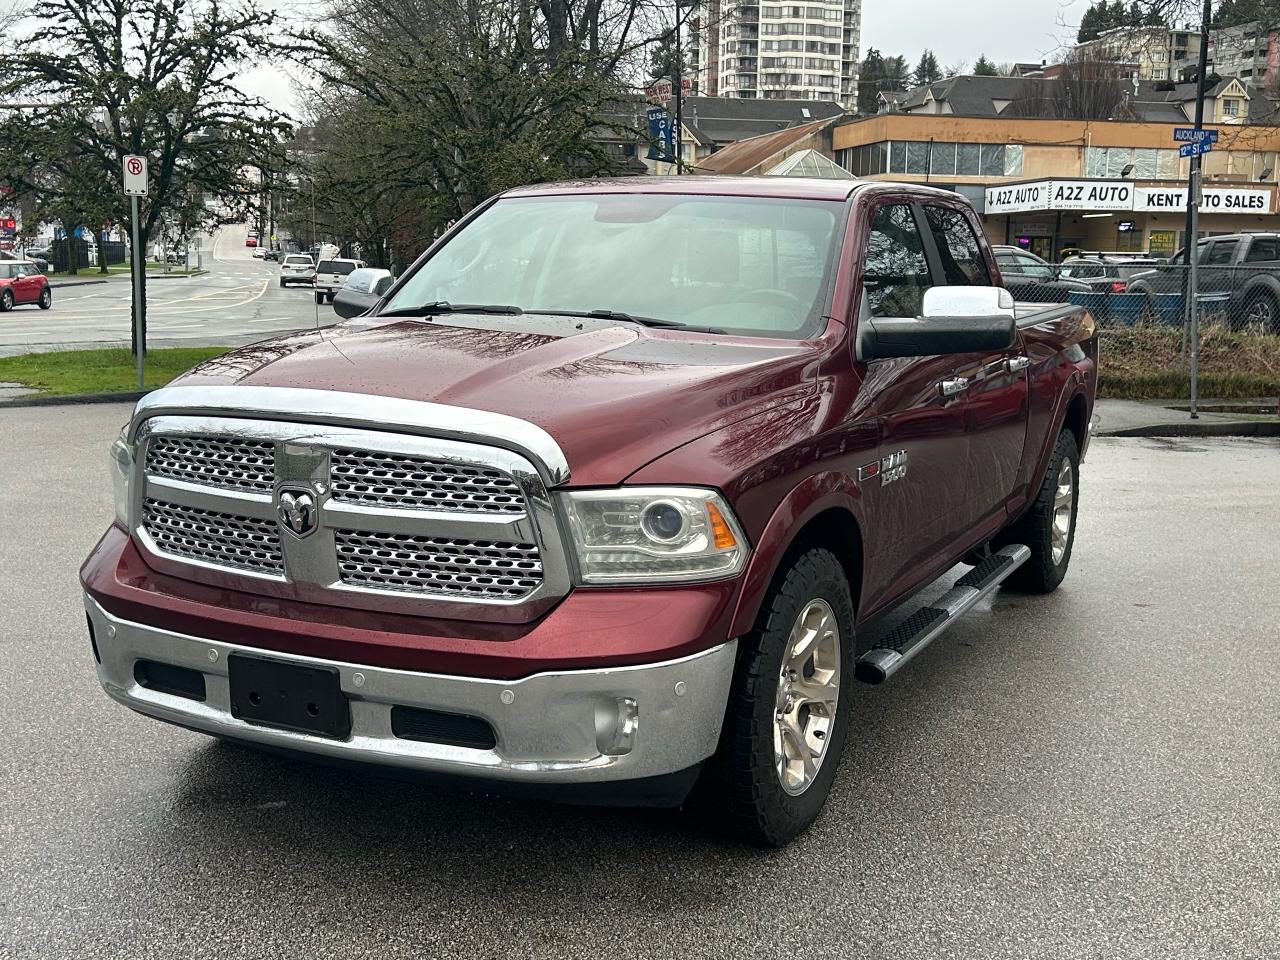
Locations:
(419, 483)
(210, 536)
(214, 462)
(437, 565)
(349, 516)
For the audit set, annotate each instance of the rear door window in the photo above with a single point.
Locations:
(896, 272)
(958, 248)
(1263, 249)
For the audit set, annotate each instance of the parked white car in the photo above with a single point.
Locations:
(331, 275)
(296, 268)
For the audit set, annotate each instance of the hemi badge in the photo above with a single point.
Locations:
(869, 471)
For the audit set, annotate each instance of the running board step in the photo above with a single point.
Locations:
(924, 626)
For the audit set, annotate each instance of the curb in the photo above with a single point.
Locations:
(1241, 428)
(176, 276)
(131, 396)
(59, 284)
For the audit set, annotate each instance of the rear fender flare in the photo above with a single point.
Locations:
(812, 496)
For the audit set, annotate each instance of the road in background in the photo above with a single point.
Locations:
(1088, 774)
(238, 301)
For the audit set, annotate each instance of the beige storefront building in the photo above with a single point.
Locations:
(1053, 186)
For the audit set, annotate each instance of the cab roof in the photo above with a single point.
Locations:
(794, 188)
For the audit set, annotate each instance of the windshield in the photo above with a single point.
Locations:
(731, 264)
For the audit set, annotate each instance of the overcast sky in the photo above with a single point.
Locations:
(1005, 30)
(955, 30)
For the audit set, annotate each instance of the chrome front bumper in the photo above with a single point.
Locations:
(580, 726)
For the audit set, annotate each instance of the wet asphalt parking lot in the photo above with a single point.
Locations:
(1090, 774)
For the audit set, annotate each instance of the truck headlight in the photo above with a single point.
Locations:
(121, 471)
(635, 535)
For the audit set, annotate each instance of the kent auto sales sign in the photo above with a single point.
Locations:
(1213, 200)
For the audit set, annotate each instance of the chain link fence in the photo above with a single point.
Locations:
(1146, 337)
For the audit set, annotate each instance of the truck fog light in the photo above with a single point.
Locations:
(617, 721)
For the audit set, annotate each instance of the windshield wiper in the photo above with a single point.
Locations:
(611, 315)
(438, 307)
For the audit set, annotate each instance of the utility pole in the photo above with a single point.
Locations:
(676, 91)
(1189, 258)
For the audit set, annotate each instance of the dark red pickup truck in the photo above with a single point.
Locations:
(603, 496)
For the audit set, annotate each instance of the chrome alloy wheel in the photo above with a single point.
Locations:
(808, 693)
(1063, 500)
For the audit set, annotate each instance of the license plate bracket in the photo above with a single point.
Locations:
(288, 696)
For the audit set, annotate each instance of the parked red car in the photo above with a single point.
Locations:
(606, 498)
(251, 241)
(21, 282)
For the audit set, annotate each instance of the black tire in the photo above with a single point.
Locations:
(6, 301)
(282, 284)
(46, 299)
(329, 297)
(740, 789)
(1042, 573)
(319, 298)
(1261, 314)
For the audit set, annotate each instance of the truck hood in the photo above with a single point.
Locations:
(614, 396)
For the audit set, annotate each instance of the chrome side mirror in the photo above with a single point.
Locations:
(957, 302)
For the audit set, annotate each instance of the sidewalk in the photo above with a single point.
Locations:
(1171, 418)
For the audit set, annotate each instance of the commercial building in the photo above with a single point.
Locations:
(1055, 185)
(777, 51)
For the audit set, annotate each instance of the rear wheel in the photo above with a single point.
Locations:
(319, 298)
(46, 299)
(1261, 314)
(1049, 527)
(788, 713)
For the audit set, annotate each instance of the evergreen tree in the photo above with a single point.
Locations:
(983, 67)
(927, 70)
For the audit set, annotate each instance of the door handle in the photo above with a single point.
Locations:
(951, 387)
(1018, 363)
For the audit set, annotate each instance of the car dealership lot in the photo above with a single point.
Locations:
(1092, 773)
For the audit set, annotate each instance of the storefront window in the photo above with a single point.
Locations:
(943, 159)
(992, 160)
(1013, 160)
(898, 157)
(1145, 164)
(1168, 166)
(969, 160)
(917, 158)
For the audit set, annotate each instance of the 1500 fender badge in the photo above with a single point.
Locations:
(888, 469)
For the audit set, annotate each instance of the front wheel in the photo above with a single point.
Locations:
(1049, 527)
(788, 714)
(6, 301)
(46, 299)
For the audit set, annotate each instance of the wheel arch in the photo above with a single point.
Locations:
(822, 511)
